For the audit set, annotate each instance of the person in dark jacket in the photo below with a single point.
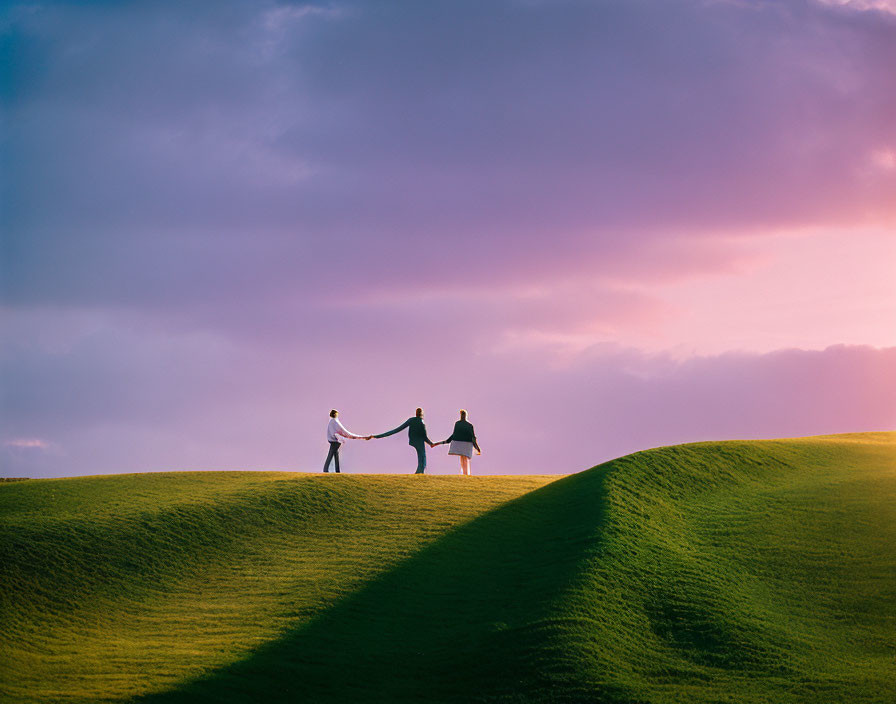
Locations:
(462, 440)
(417, 438)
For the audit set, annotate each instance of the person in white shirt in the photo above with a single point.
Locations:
(335, 432)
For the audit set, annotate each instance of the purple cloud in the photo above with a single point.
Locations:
(267, 138)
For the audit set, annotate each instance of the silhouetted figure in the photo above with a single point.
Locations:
(417, 438)
(463, 441)
(335, 431)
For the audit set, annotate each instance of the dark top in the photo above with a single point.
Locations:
(463, 432)
(416, 431)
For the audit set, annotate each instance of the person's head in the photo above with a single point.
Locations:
(334, 413)
(463, 414)
(419, 412)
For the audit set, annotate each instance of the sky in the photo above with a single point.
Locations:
(598, 226)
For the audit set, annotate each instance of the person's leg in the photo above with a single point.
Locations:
(333, 454)
(465, 465)
(330, 456)
(421, 458)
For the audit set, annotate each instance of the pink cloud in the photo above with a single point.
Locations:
(863, 5)
(26, 443)
(265, 408)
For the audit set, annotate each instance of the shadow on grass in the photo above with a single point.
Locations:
(466, 619)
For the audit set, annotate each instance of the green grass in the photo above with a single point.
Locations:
(713, 572)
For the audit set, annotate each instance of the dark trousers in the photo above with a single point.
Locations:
(333, 455)
(421, 458)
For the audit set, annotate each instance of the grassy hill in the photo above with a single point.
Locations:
(712, 572)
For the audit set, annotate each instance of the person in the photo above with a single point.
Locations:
(462, 440)
(335, 432)
(416, 437)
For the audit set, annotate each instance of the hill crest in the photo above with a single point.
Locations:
(744, 570)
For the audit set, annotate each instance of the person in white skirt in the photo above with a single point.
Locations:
(463, 442)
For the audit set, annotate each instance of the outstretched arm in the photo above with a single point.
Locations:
(447, 440)
(392, 432)
(341, 430)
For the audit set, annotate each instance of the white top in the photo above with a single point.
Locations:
(335, 429)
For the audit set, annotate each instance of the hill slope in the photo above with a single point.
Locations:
(735, 571)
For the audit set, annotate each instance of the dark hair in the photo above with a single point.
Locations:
(333, 413)
(419, 412)
(463, 414)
